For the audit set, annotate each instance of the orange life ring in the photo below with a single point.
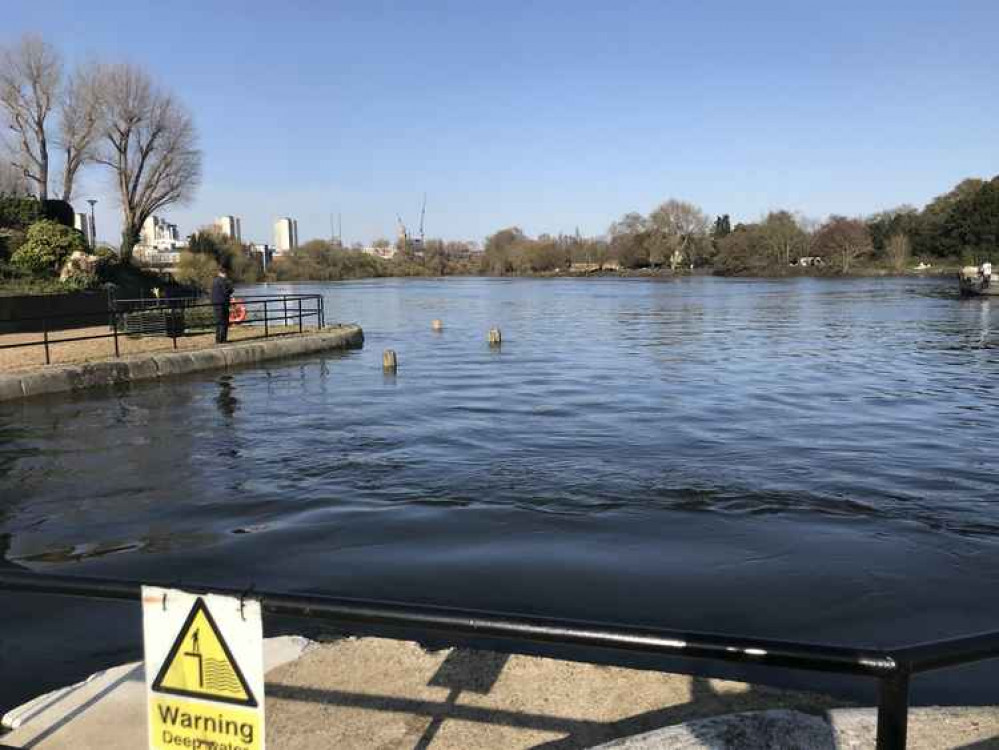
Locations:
(237, 311)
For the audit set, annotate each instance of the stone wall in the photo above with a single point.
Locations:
(65, 378)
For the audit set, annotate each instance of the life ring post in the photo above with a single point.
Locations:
(237, 311)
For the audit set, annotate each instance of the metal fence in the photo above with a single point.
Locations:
(891, 668)
(172, 318)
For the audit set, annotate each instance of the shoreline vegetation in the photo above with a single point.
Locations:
(677, 238)
(960, 227)
(41, 255)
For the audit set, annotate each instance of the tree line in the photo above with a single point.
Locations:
(959, 226)
(209, 249)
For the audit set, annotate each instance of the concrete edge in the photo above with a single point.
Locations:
(67, 378)
(49, 706)
(779, 727)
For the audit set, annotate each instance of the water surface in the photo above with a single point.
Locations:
(807, 459)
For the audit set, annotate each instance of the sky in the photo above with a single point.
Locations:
(550, 115)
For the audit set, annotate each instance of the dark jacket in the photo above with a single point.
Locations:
(221, 291)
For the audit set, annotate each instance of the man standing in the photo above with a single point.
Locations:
(221, 294)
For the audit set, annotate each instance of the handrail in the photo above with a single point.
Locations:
(892, 667)
(115, 313)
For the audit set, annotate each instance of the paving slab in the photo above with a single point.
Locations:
(108, 709)
(372, 693)
(376, 693)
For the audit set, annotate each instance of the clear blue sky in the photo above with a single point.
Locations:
(550, 114)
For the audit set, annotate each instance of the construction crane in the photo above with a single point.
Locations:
(423, 215)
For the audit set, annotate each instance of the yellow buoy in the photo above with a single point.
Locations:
(495, 337)
(389, 361)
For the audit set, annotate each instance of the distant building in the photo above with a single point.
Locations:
(387, 252)
(285, 235)
(264, 251)
(84, 223)
(230, 226)
(161, 260)
(160, 234)
(159, 244)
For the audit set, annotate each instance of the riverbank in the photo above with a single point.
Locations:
(195, 353)
(32, 357)
(792, 273)
(371, 692)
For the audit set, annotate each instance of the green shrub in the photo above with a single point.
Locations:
(48, 245)
(19, 213)
(107, 263)
(197, 270)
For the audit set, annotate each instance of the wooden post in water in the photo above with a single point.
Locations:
(495, 337)
(389, 362)
(437, 325)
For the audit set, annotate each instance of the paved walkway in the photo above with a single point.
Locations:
(25, 358)
(373, 693)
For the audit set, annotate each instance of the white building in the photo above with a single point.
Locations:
(159, 244)
(84, 223)
(159, 234)
(285, 235)
(230, 226)
(380, 252)
(266, 253)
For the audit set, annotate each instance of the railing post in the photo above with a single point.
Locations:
(300, 327)
(893, 711)
(45, 330)
(284, 300)
(322, 312)
(114, 328)
(266, 324)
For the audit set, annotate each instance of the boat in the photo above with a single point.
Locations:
(973, 284)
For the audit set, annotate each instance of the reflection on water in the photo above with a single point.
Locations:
(226, 400)
(802, 458)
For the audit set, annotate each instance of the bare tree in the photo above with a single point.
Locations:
(149, 143)
(30, 73)
(629, 224)
(843, 238)
(899, 249)
(12, 181)
(79, 124)
(682, 229)
(783, 237)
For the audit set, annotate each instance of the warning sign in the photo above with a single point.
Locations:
(204, 671)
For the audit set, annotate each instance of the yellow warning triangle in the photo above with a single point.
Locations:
(200, 664)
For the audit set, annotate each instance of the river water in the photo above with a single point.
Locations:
(806, 459)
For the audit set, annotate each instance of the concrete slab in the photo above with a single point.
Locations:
(934, 728)
(10, 387)
(45, 381)
(365, 693)
(70, 377)
(93, 374)
(108, 709)
(930, 728)
(760, 729)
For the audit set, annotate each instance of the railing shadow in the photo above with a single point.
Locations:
(478, 671)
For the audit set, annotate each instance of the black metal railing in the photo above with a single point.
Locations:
(170, 317)
(892, 668)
